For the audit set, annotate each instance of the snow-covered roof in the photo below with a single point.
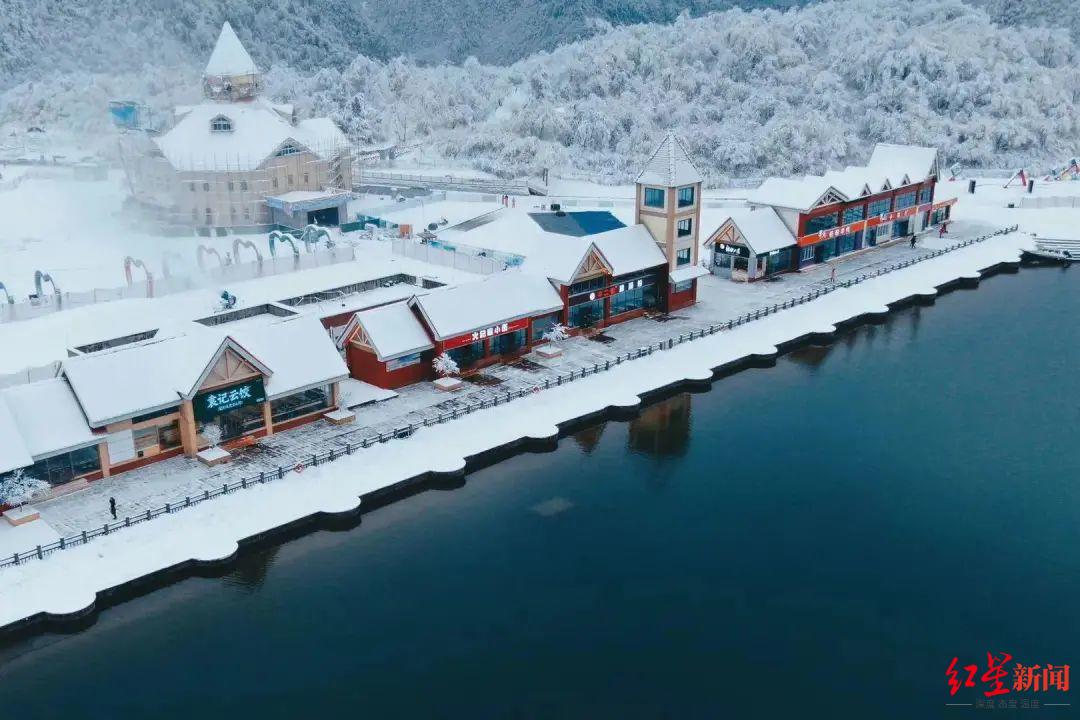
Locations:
(502, 297)
(298, 351)
(795, 193)
(258, 131)
(688, 272)
(761, 229)
(670, 165)
(13, 451)
(292, 355)
(917, 162)
(556, 254)
(128, 381)
(629, 249)
(229, 56)
(48, 417)
(890, 165)
(392, 330)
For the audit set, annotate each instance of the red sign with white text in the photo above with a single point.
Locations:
(478, 335)
(855, 227)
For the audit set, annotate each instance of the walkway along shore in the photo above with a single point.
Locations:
(80, 573)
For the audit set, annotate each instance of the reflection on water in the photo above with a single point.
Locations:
(251, 570)
(663, 429)
(810, 355)
(589, 438)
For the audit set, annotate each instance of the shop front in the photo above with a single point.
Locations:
(750, 245)
(236, 410)
(489, 345)
(606, 300)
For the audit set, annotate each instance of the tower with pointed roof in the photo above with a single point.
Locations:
(231, 75)
(668, 204)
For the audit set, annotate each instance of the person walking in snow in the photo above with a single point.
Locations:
(832, 276)
(913, 240)
(112, 507)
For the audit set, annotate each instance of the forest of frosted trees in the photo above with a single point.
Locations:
(751, 93)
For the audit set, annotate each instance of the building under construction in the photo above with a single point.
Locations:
(237, 160)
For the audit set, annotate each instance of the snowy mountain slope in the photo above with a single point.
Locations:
(751, 93)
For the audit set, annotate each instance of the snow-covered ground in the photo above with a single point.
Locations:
(67, 581)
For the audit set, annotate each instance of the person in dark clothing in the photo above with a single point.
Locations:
(912, 239)
(112, 507)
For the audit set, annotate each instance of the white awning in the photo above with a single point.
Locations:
(687, 273)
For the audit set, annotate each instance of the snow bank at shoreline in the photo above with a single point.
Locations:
(67, 582)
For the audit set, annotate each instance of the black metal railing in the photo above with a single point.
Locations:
(452, 414)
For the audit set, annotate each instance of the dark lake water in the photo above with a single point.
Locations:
(817, 539)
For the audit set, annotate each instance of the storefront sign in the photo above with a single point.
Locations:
(209, 405)
(726, 249)
(478, 335)
(855, 227)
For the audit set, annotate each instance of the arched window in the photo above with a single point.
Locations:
(220, 123)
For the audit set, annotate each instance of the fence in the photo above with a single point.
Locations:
(447, 182)
(447, 257)
(234, 272)
(501, 399)
(1057, 201)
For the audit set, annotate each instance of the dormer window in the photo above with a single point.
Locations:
(221, 124)
(288, 149)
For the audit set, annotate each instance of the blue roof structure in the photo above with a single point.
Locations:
(577, 224)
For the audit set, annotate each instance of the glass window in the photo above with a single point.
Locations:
(243, 184)
(683, 286)
(586, 314)
(685, 227)
(247, 213)
(682, 257)
(853, 214)
(847, 243)
(584, 286)
(306, 178)
(880, 207)
(209, 217)
(686, 196)
(468, 354)
(905, 201)
(290, 180)
(926, 195)
(191, 186)
(206, 187)
(654, 197)
(230, 186)
(779, 260)
(288, 149)
(508, 342)
(60, 469)
(274, 182)
(542, 325)
(221, 124)
(299, 404)
(819, 223)
(633, 299)
(807, 253)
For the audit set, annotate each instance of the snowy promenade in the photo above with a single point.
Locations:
(66, 582)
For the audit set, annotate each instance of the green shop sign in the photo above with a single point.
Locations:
(209, 405)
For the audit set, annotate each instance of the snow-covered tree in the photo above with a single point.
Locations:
(212, 433)
(19, 488)
(445, 366)
(557, 333)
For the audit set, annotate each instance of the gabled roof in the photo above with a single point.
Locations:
(229, 56)
(761, 229)
(192, 383)
(629, 249)
(13, 452)
(502, 297)
(916, 162)
(48, 417)
(669, 165)
(796, 194)
(391, 331)
(258, 132)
